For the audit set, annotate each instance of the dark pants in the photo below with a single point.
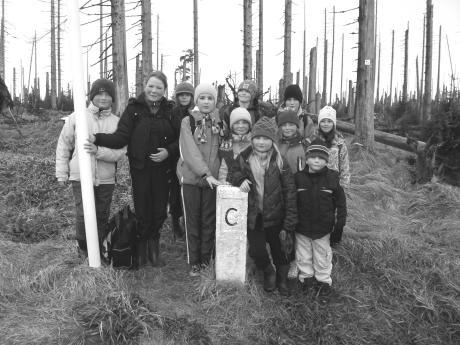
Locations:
(150, 195)
(102, 199)
(258, 238)
(175, 198)
(200, 222)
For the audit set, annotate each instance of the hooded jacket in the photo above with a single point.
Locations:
(102, 163)
(145, 132)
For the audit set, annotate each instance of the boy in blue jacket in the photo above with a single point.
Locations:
(322, 212)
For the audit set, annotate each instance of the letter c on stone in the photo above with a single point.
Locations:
(231, 219)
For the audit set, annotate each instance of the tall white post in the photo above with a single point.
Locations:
(81, 129)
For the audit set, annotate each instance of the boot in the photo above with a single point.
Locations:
(141, 252)
(281, 279)
(178, 231)
(154, 253)
(269, 278)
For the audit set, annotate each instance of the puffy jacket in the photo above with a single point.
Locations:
(321, 202)
(229, 154)
(279, 204)
(338, 157)
(102, 163)
(198, 159)
(293, 149)
(145, 132)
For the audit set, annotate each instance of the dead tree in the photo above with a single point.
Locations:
(158, 40)
(378, 77)
(59, 71)
(426, 114)
(247, 39)
(146, 23)
(312, 82)
(417, 78)
(365, 87)
(304, 57)
(439, 66)
(392, 62)
(260, 52)
(406, 63)
(196, 65)
(423, 67)
(287, 75)
(324, 95)
(332, 54)
(341, 70)
(119, 61)
(2, 42)
(101, 40)
(53, 58)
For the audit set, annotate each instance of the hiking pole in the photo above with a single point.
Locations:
(81, 128)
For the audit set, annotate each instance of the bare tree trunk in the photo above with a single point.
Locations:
(304, 58)
(158, 40)
(422, 73)
(428, 62)
(312, 81)
(417, 79)
(324, 95)
(365, 86)
(392, 63)
(196, 65)
(351, 100)
(287, 76)
(139, 79)
(14, 83)
(406, 64)
(332, 55)
(59, 71)
(439, 66)
(378, 77)
(101, 40)
(2, 43)
(119, 63)
(341, 69)
(260, 52)
(106, 57)
(146, 20)
(53, 58)
(247, 39)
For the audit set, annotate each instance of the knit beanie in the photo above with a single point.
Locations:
(288, 116)
(205, 88)
(265, 127)
(185, 87)
(318, 148)
(327, 113)
(238, 114)
(102, 85)
(250, 86)
(293, 91)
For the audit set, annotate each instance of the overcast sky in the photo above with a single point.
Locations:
(221, 37)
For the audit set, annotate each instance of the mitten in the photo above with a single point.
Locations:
(336, 235)
(287, 241)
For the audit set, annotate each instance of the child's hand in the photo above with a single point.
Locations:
(287, 242)
(246, 186)
(211, 180)
(91, 138)
(90, 147)
(160, 156)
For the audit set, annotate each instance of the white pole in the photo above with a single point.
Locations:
(81, 128)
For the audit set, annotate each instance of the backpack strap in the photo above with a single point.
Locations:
(192, 123)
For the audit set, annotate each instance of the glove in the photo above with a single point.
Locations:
(336, 235)
(287, 242)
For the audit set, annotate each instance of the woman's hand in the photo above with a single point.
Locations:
(160, 156)
(91, 138)
(246, 186)
(211, 180)
(90, 147)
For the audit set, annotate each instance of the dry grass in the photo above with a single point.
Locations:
(396, 274)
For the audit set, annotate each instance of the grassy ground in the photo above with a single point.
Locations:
(396, 273)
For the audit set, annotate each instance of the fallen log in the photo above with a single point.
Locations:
(385, 138)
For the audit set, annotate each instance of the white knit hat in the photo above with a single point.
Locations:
(206, 88)
(327, 113)
(238, 114)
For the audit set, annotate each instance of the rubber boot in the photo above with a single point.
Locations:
(178, 231)
(141, 253)
(154, 253)
(281, 279)
(269, 278)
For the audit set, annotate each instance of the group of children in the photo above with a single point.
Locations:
(293, 172)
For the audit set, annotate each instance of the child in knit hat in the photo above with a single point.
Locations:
(197, 169)
(322, 213)
(240, 125)
(293, 101)
(262, 172)
(338, 151)
(103, 159)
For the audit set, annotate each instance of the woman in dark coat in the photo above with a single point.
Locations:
(151, 131)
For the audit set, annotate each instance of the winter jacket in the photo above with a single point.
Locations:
(293, 149)
(338, 157)
(321, 202)
(229, 154)
(279, 204)
(198, 159)
(306, 127)
(145, 132)
(102, 163)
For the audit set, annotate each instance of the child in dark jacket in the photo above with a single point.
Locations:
(262, 172)
(322, 214)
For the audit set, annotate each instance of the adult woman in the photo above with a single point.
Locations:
(151, 132)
